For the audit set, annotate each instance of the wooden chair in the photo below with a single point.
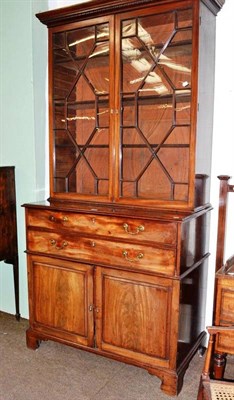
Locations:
(224, 280)
(212, 389)
(221, 341)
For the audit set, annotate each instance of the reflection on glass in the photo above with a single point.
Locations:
(156, 96)
(81, 109)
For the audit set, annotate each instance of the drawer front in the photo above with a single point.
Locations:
(104, 252)
(116, 227)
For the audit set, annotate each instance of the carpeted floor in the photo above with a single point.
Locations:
(58, 372)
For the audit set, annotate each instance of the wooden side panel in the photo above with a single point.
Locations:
(224, 343)
(137, 316)
(60, 294)
(194, 241)
(225, 300)
(227, 315)
(205, 96)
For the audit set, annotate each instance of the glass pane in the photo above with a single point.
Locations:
(179, 135)
(102, 32)
(155, 84)
(129, 28)
(97, 68)
(184, 18)
(155, 122)
(137, 64)
(155, 30)
(80, 42)
(156, 95)
(64, 160)
(176, 60)
(183, 107)
(171, 157)
(81, 110)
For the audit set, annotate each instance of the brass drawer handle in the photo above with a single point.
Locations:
(55, 245)
(138, 257)
(139, 228)
(53, 219)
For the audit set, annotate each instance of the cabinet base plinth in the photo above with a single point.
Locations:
(32, 340)
(171, 380)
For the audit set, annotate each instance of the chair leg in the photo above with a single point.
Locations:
(200, 391)
(219, 365)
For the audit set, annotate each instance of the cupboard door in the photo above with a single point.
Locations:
(155, 96)
(61, 298)
(82, 61)
(137, 316)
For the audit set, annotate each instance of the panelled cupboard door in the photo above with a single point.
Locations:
(61, 298)
(137, 316)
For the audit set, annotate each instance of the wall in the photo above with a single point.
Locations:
(23, 133)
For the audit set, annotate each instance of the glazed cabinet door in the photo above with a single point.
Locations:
(81, 95)
(155, 83)
(137, 316)
(61, 298)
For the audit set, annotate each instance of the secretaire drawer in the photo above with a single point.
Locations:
(110, 226)
(103, 252)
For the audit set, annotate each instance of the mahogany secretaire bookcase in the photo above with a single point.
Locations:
(117, 256)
